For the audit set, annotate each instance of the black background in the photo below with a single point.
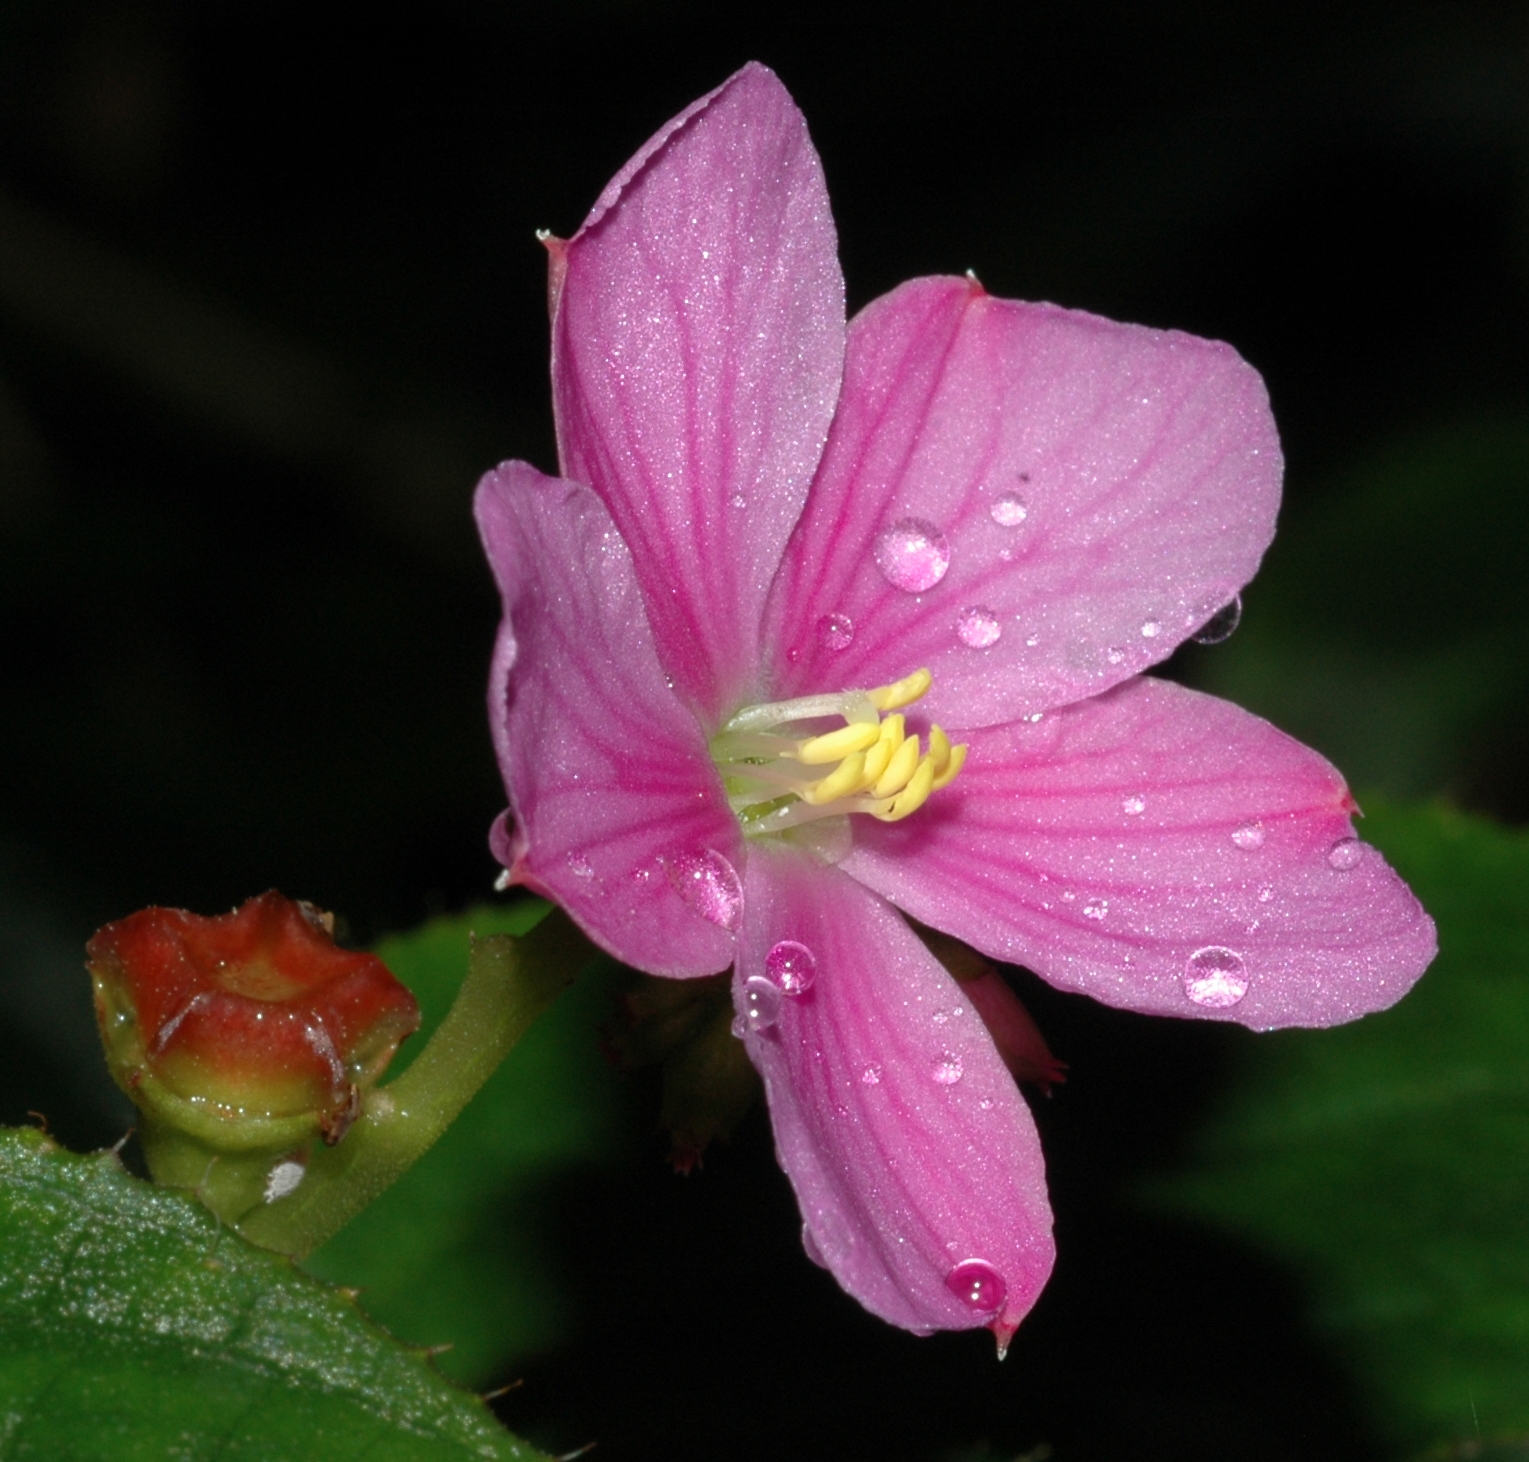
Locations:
(270, 301)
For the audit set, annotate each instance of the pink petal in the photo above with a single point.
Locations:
(618, 812)
(910, 1149)
(697, 353)
(1100, 489)
(1164, 851)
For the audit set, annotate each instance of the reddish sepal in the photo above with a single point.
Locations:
(256, 1013)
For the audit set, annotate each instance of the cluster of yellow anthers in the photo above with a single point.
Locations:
(778, 774)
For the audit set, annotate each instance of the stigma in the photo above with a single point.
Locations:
(782, 768)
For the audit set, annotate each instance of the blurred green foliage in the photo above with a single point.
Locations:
(456, 1252)
(1388, 1160)
(133, 1326)
(1390, 625)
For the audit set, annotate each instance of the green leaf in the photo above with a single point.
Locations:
(458, 1252)
(1388, 1161)
(133, 1326)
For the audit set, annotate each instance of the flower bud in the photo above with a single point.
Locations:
(1014, 1032)
(247, 1033)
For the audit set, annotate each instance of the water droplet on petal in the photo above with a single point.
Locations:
(1096, 909)
(1221, 624)
(948, 1070)
(1009, 510)
(912, 554)
(709, 884)
(1215, 977)
(739, 501)
(836, 631)
(580, 866)
(761, 1003)
(792, 966)
(1115, 655)
(977, 628)
(871, 1076)
(1151, 629)
(1249, 836)
(1134, 806)
(1345, 854)
(1034, 718)
(977, 1285)
(1265, 895)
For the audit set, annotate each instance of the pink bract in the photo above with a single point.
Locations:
(759, 502)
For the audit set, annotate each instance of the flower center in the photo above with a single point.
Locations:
(781, 767)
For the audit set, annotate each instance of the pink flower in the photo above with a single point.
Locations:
(760, 504)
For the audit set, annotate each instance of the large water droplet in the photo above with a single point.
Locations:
(1345, 854)
(1249, 836)
(709, 884)
(1134, 806)
(948, 1070)
(913, 555)
(1151, 629)
(1096, 909)
(836, 631)
(977, 1285)
(792, 966)
(761, 1003)
(1215, 977)
(1009, 510)
(977, 628)
(1221, 624)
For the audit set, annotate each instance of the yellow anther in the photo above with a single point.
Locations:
(879, 757)
(901, 692)
(777, 778)
(899, 770)
(844, 779)
(939, 749)
(947, 775)
(914, 795)
(835, 745)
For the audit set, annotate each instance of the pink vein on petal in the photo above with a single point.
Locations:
(1102, 489)
(697, 354)
(1112, 844)
(909, 1147)
(607, 773)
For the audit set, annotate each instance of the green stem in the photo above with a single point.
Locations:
(509, 983)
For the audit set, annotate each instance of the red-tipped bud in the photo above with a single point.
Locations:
(1018, 1038)
(248, 1029)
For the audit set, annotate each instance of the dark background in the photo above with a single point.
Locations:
(270, 302)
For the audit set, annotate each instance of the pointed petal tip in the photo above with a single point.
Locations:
(1003, 1334)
